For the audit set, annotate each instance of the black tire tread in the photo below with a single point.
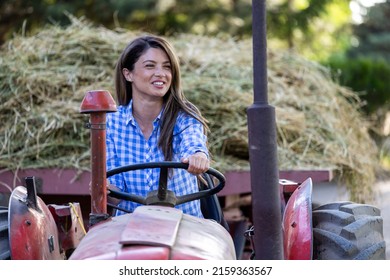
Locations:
(346, 231)
(4, 238)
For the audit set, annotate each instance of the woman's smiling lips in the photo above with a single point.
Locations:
(159, 84)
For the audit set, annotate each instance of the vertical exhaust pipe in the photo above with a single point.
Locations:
(97, 103)
(263, 159)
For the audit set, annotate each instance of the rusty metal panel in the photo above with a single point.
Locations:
(203, 239)
(32, 229)
(152, 225)
(70, 225)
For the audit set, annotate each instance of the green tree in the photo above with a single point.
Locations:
(296, 22)
(211, 17)
(373, 34)
(366, 76)
(205, 17)
(365, 67)
(314, 28)
(13, 14)
(27, 15)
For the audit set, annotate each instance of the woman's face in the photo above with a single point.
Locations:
(151, 77)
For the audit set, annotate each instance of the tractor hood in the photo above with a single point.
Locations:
(156, 233)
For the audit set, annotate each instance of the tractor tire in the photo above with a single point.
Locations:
(348, 231)
(4, 240)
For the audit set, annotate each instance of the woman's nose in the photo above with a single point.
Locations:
(160, 72)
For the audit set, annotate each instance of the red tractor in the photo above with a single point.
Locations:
(30, 229)
(284, 224)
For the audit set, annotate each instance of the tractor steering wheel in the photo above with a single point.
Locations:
(163, 196)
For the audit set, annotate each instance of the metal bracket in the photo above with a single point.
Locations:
(97, 126)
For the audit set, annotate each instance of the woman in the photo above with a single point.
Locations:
(154, 122)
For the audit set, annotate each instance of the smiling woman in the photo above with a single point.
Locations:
(45, 76)
(154, 122)
(150, 77)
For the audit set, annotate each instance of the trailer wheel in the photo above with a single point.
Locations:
(348, 231)
(4, 240)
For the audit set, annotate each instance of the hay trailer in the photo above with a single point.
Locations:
(283, 223)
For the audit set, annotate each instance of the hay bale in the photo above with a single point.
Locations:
(44, 77)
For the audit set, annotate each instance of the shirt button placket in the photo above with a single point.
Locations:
(149, 172)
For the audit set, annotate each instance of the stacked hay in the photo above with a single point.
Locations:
(44, 77)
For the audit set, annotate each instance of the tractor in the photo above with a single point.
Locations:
(30, 229)
(285, 224)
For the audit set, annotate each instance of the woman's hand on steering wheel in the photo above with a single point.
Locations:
(198, 163)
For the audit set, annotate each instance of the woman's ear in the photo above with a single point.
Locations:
(127, 74)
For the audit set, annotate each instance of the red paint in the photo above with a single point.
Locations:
(31, 229)
(142, 235)
(97, 101)
(97, 104)
(98, 165)
(297, 224)
(69, 181)
(238, 182)
(108, 236)
(144, 253)
(70, 225)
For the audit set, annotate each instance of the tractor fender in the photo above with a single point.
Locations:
(154, 232)
(297, 224)
(33, 233)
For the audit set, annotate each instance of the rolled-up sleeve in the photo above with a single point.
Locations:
(192, 136)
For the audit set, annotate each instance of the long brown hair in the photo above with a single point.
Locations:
(174, 100)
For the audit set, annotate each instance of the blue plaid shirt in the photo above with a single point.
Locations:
(126, 145)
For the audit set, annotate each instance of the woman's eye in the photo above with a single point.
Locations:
(149, 65)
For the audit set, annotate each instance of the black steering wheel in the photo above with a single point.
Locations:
(163, 196)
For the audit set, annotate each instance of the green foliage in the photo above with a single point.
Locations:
(164, 17)
(365, 67)
(314, 30)
(298, 22)
(309, 25)
(288, 16)
(373, 35)
(366, 76)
